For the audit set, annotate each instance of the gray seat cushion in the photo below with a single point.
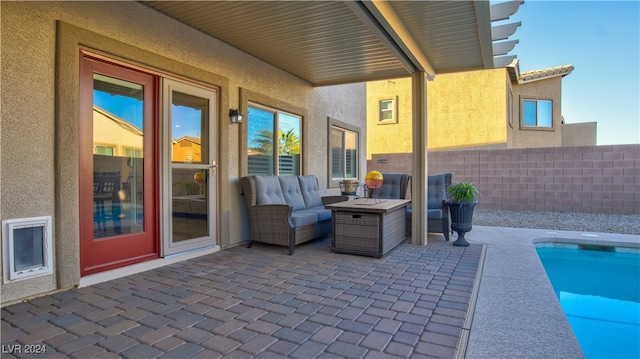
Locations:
(310, 191)
(436, 190)
(268, 190)
(322, 213)
(431, 213)
(434, 213)
(390, 187)
(303, 218)
(291, 192)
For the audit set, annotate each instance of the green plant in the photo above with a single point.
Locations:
(464, 192)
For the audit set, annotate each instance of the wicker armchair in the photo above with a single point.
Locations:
(286, 210)
(437, 211)
(394, 186)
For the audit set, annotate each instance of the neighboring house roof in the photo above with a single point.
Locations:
(332, 42)
(530, 76)
(119, 121)
(188, 138)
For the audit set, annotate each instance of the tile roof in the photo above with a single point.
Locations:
(188, 138)
(517, 77)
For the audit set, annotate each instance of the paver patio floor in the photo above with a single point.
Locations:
(261, 302)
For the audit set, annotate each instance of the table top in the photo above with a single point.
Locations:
(368, 205)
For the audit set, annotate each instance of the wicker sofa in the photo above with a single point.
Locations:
(286, 210)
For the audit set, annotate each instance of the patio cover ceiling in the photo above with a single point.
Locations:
(334, 42)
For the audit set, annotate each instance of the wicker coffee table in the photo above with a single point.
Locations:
(369, 227)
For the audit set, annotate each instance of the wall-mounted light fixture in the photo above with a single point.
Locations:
(235, 116)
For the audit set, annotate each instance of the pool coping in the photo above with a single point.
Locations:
(461, 349)
(516, 313)
(619, 246)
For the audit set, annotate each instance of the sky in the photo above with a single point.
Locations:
(601, 40)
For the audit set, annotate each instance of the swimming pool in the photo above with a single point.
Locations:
(599, 291)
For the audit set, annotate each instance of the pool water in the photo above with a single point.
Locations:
(600, 293)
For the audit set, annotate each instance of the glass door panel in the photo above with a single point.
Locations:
(189, 166)
(118, 155)
(189, 208)
(190, 116)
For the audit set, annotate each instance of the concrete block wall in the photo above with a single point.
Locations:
(586, 179)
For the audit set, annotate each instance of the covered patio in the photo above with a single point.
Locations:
(309, 59)
(260, 302)
(435, 301)
(344, 42)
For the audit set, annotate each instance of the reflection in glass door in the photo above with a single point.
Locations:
(190, 181)
(118, 148)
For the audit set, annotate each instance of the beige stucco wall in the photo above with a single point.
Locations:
(42, 179)
(467, 109)
(464, 109)
(336, 102)
(579, 134)
(548, 89)
(389, 137)
(107, 132)
(27, 138)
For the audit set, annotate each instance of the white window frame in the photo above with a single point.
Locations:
(394, 112)
(335, 124)
(537, 126)
(8, 227)
(113, 149)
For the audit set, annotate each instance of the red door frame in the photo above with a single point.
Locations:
(126, 249)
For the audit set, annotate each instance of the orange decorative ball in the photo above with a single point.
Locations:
(373, 179)
(199, 177)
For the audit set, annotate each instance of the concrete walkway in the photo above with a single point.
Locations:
(517, 313)
(263, 303)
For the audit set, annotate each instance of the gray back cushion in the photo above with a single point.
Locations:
(390, 187)
(291, 192)
(268, 190)
(436, 190)
(310, 191)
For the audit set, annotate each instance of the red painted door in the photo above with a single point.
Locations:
(118, 166)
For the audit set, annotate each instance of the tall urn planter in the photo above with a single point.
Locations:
(462, 199)
(461, 220)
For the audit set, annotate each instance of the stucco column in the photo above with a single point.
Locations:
(419, 158)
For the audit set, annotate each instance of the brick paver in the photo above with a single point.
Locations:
(261, 303)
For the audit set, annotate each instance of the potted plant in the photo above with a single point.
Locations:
(461, 199)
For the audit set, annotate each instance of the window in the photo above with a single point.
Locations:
(510, 106)
(133, 153)
(102, 150)
(387, 111)
(269, 154)
(344, 143)
(537, 113)
(27, 248)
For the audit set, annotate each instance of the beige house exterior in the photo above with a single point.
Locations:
(41, 179)
(475, 109)
(45, 50)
